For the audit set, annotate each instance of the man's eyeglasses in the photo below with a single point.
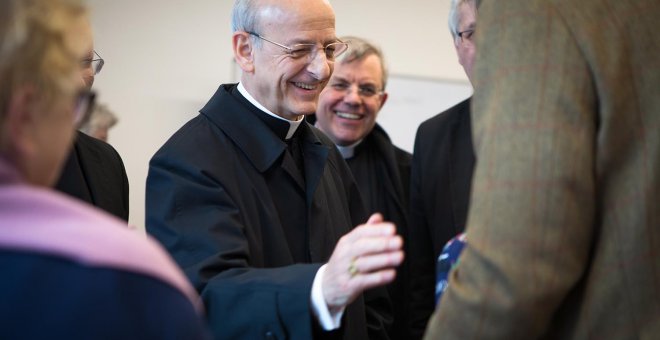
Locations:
(364, 91)
(95, 63)
(467, 35)
(297, 51)
(84, 106)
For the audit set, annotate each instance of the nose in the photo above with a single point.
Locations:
(352, 95)
(319, 66)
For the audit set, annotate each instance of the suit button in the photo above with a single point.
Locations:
(270, 335)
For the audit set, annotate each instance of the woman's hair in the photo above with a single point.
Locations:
(33, 46)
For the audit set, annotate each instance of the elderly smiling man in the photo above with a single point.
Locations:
(258, 206)
(348, 108)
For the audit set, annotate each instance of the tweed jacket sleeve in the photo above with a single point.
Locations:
(560, 230)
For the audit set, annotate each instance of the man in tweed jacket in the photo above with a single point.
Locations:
(564, 224)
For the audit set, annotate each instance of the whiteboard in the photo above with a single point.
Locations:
(413, 100)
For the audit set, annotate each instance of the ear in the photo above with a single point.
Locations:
(19, 120)
(243, 49)
(383, 99)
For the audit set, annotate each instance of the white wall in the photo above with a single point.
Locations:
(165, 58)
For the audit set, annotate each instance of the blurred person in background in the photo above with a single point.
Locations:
(69, 271)
(99, 122)
(94, 172)
(442, 167)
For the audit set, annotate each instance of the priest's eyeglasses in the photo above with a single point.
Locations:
(298, 51)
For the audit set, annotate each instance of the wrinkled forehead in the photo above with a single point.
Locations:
(467, 15)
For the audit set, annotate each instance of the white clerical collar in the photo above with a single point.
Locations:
(348, 151)
(293, 124)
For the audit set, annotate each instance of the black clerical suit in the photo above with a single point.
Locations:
(443, 162)
(382, 172)
(95, 173)
(247, 225)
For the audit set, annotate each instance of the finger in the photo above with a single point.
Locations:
(362, 282)
(375, 218)
(371, 230)
(374, 245)
(373, 263)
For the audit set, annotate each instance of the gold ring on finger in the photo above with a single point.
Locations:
(352, 268)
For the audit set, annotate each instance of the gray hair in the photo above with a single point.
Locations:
(359, 49)
(454, 16)
(244, 15)
(101, 117)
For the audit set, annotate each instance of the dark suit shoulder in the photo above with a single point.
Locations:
(188, 137)
(402, 156)
(380, 137)
(190, 148)
(95, 173)
(85, 143)
(444, 119)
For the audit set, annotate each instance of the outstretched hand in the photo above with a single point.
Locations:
(364, 258)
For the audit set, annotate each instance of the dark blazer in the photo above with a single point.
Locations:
(443, 162)
(382, 172)
(95, 173)
(209, 201)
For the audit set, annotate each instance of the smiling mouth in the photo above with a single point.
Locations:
(305, 86)
(347, 115)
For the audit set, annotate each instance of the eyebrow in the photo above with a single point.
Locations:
(310, 42)
(337, 78)
(368, 82)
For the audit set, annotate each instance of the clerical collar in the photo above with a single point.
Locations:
(293, 125)
(348, 151)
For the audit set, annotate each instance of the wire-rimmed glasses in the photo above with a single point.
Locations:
(95, 63)
(297, 51)
(363, 90)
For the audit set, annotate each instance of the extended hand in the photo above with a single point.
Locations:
(364, 258)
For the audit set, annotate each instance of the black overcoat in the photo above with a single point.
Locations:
(209, 201)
